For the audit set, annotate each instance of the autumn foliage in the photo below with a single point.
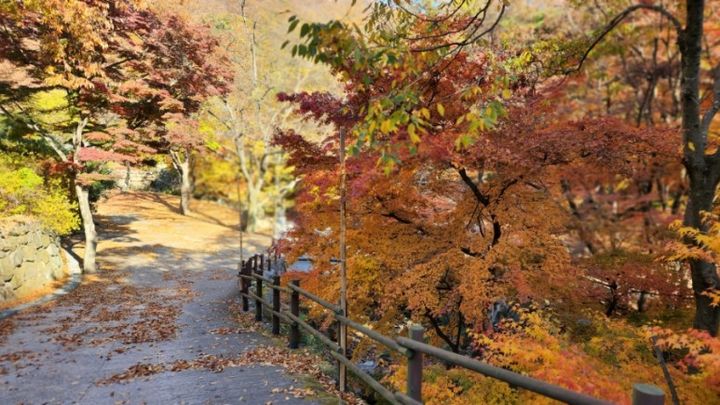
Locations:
(481, 206)
(98, 81)
(534, 184)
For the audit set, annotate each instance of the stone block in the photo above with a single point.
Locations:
(5, 245)
(29, 258)
(16, 282)
(56, 262)
(7, 269)
(35, 238)
(58, 272)
(53, 250)
(6, 292)
(19, 230)
(29, 252)
(34, 275)
(42, 257)
(17, 258)
(46, 240)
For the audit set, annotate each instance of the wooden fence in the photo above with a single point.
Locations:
(412, 347)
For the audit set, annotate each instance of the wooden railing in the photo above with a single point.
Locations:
(412, 347)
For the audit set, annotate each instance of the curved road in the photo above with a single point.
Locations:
(155, 326)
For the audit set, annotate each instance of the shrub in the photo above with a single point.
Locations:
(24, 192)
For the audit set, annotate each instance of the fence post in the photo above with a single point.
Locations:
(415, 365)
(647, 394)
(258, 303)
(276, 306)
(342, 368)
(245, 285)
(241, 287)
(294, 336)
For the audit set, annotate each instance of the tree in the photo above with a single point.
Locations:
(700, 158)
(112, 91)
(189, 66)
(77, 74)
(467, 186)
(249, 115)
(464, 171)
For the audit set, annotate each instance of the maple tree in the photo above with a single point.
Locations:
(189, 66)
(112, 72)
(472, 184)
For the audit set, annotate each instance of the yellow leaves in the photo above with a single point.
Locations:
(386, 126)
(135, 39)
(440, 109)
(25, 192)
(714, 296)
(49, 107)
(412, 133)
(623, 185)
(56, 212)
(68, 81)
(695, 244)
(506, 94)
(691, 146)
(93, 70)
(456, 386)
(372, 126)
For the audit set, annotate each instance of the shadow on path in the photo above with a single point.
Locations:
(127, 334)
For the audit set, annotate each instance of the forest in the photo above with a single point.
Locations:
(535, 182)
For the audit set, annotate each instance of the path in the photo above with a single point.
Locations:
(154, 326)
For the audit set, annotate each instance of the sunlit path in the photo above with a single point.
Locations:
(155, 325)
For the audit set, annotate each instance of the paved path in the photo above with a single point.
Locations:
(154, 326)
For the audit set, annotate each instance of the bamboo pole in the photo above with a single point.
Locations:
(240, 221)
(342, 367)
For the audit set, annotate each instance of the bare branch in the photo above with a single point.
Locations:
(471, 38)
(618, 19)
(432, 20)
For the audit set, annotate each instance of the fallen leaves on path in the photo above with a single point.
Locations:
(297, 362)
(106, 310)
(224, 331)
(7, 326)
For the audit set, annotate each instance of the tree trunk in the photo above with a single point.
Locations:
(704, 279)
(255, 210)
(83, 196)
(280, 219)
(185, 186)
(703, 170)
(183, 164)
(704, 274)
(126, 187)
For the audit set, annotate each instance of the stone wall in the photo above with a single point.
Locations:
(29, 258)
(137, 178)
